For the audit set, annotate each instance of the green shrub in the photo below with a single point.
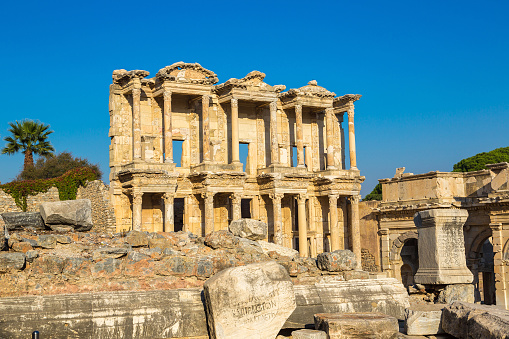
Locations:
(376, 194)
(479, 161)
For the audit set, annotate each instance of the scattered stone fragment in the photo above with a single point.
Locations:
(424, 319)
(221, 239)
(61, 228)
(108, 265)
(309, 334)
(136, 239)
(22, 246)
(75, 213)
(466, 320)
(251, 301)
(47, 241)
(249, 228)
(21, 220)
(48, 264)
(31, 255)
(11, 261)
(109, 252)
(457, 292)
(353, 275)
(160, 243)
(281, 251)
(337, 261)
(63, 239)
(357, 325)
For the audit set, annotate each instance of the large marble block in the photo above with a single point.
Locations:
(442, 247)
(357, 325)
(251, 301)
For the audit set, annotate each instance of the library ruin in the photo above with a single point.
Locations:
(294, 177)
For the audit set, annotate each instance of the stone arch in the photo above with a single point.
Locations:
(398, 243)
(505, 251)
(476, 244)
(481, 265)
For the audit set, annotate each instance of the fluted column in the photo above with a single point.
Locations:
(136, 124)
(355, 231)
(330, 138)
(168, 212)
(278, 223)
(303, 232)
(351, 140)
(300, 142)
(236, 206)
(235, 130)
(206, 127)
(137, 210)
(274, 144)
(208, 199)
(333, 226)
(168, 134)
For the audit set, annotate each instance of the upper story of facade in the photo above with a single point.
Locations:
(182, 121)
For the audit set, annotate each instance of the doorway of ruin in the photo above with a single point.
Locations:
(484, 279)
(410, 258)
(178, 213)
(245, 208)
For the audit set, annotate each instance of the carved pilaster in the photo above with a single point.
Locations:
(235, 130)
(168, 134)
(274, 144)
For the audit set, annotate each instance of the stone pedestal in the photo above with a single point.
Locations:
(441, 247)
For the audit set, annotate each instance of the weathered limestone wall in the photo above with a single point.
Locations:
(7, 203)
(103, 215)
(369, 235)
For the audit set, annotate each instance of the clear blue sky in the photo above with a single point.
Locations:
(434, 75)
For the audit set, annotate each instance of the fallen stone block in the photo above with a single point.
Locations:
(251, 229)
(357, 325)
(75, 213)
(137, 239)
(46, 241)
(21, 220)
(280, 250)
(109, 252)
(48, 264)
(251, 301)
(309, 334)
(11, 262)
(337, 261)
(466, 320)
(457, 292)
(22, 246)
(424, 319)
(221, 239)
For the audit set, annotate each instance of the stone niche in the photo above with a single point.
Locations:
(441, 247)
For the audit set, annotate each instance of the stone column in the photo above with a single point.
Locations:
(341, 164)
(333, 222)
(303, 232)
(312, 225)
(235, 130)
(169, 219)
(208, 199)
(442, 247)
(501, 291)
(351, 140)
(278, 222)
(300, 143)
(330, 138)
(274, 144)
(168, 134)
(236, 207)
(136, 124)
(137, 208)
(206, 127)
(355, 230)
(341, 223)
(385, 243)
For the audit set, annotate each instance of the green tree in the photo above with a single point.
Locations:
(54, 166)
(376, 194)
(479, 161)
(29, 137)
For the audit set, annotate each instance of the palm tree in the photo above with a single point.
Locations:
(29, 137)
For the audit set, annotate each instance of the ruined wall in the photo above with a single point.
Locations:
(103, 214)
(7, 203)
(369, 235)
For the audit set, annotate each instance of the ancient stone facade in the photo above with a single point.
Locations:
(484, 194)
(294, 177)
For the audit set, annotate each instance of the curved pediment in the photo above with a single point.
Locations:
(252, 81)
(122, 76)
(311, 89)
(187, 72)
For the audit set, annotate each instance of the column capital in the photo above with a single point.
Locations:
(168, 196)
(333, 196)
(383, 231)
(496, 226)
(276, 196)
(298, 107)
(273, 105)
(136, 91)
(137, 198)
(167, 94)
(350, 113)
(301, 198)
(208, 195)
(236, 197)
(354, 199)
(235, 102)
